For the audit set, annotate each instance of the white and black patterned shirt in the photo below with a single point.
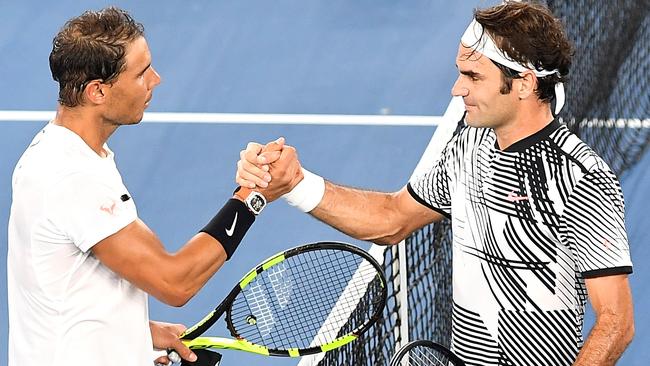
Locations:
(530, 223)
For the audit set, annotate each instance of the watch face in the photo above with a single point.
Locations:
(256, 203)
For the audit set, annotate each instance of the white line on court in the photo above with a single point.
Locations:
(250, 118)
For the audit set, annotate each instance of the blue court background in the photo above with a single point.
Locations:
(282, 56)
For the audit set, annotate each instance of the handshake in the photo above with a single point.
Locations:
(274, 170)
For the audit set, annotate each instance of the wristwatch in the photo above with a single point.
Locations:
(255, 201)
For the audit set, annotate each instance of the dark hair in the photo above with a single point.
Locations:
(89, 47)
(529, 33)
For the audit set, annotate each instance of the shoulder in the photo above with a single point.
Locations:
(578, 152)
(467, 138)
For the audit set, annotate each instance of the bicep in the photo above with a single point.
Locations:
(412, 214)
(134, 252)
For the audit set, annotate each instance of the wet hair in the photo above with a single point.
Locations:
(90, 47)
(529, 33)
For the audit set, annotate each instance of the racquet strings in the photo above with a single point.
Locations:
(307, 300)
(422, 355)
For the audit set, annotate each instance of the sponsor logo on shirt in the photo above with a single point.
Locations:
(108, 207)
(512, 197)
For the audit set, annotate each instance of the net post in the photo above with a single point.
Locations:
(402, 299)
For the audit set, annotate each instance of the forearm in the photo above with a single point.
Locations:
(362, 214)
(607, 340)
(171, 278)
(193, 265)
(206, 252)
(136, 254)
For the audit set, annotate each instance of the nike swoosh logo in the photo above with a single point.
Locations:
(512, 197)
(231, 231)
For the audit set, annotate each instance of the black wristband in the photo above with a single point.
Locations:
(230, 225)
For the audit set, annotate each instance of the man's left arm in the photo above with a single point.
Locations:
(611, 299)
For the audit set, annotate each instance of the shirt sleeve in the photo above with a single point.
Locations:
(432, 189)
(595, 222)
(88, 209)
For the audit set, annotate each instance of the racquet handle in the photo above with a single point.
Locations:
(172, 355)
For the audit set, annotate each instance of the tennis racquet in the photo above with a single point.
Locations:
(305, 300)
(425, 353)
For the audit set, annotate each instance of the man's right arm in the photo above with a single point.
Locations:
(384, 218)
(136, 254)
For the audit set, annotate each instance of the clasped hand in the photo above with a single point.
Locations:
(272, 169)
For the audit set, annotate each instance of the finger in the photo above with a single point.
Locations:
(253, 160)
(271, 147)
(288, 152)
(246, 179)
(276, 145)
(247, 170)
(162, 360)
(254, 147)
(183, 351)
(250, 154)
(177, 329)
(270, 156)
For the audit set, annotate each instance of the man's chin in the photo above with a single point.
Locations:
(130, 122)
(471, 120)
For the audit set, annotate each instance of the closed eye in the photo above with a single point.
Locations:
(145, 70)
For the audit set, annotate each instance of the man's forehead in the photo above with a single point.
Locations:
(468, 55)
(137, 53)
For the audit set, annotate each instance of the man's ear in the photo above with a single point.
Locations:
(526, 85)
(95, 92)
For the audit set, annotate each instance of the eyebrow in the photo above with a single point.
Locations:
(471, 74)
(145, 69)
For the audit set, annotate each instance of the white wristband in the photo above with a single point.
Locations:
(307, 194)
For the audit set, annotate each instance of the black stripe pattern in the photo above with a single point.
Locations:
(530, 222)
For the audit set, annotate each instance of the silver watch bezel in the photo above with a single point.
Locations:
(253, 206)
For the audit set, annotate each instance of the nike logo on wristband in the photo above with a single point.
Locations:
(231, 231)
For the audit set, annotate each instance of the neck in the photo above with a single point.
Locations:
(92, 129)
(527, 121)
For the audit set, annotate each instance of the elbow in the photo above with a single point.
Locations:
(628, 334)
(626, 329)
(393, 238)
(395, 232)
(389, 240)
(177, 301)
(175, 295)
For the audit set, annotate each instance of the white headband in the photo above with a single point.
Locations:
(476, 38)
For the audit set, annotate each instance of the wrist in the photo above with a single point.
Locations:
(230, 225)
(308, 193)
(253, 200)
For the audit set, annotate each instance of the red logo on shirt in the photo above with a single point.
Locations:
(606, 243)
(512, 197)
(108, 207)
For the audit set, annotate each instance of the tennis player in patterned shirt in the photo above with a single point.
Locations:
(537, 216)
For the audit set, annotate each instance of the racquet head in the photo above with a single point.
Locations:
(425, 353)
(305, 300)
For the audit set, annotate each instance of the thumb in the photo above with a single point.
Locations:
(276, 145)
(271, 151)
